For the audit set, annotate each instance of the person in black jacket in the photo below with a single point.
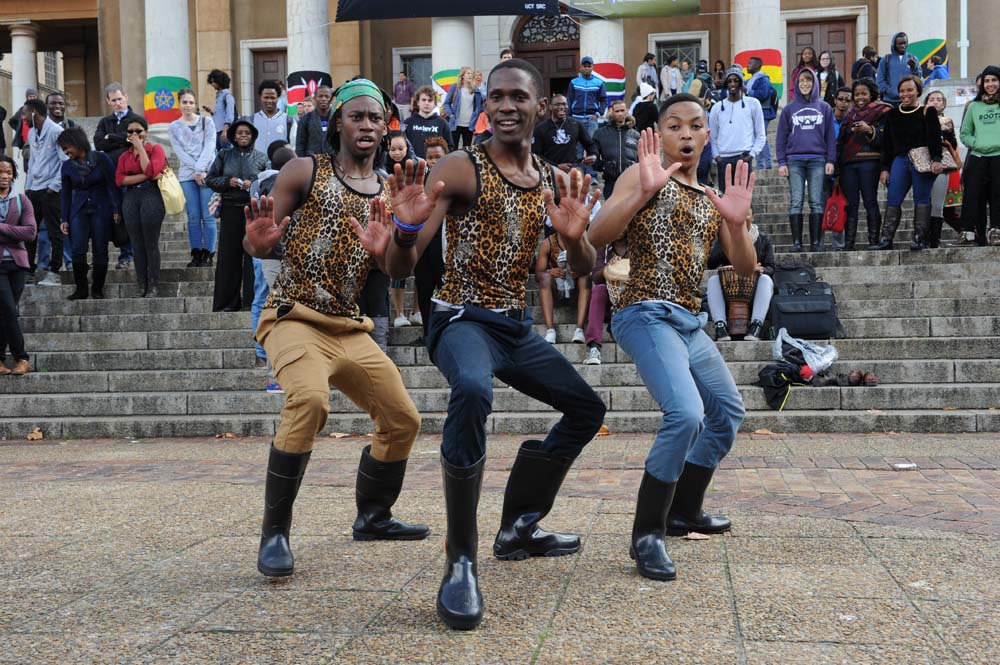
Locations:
(617, 144)
(556, 138)
(3, 137)
(762, 295)
(310, 139)
(110, 138)
(235, 169)
(864, 67)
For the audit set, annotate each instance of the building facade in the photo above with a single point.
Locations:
(99, 41)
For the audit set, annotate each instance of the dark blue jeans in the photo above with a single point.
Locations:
(902, 176)
(471, 347)
(92, 225)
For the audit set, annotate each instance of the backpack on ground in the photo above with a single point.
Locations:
(792, 274)
(808, 311)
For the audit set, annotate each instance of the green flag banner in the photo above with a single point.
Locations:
(631, 8)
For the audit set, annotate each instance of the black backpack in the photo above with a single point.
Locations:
(792, 274)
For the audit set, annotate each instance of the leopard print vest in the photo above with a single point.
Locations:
(490, 246)
(324, 265)
(669, 242)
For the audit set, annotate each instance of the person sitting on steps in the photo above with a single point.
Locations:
(552, 273)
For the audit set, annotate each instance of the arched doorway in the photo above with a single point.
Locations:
(551, 43)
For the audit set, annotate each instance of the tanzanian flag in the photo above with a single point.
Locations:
(160, 103)
(613, 76)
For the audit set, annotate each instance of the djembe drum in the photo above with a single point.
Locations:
(738, 292)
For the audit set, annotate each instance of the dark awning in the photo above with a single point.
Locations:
(361, 10)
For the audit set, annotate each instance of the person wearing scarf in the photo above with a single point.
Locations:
(762, 294)
(687, 76)
(859, 155)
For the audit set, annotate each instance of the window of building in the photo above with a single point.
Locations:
(686, 50)
(417, 67)
(51, 70)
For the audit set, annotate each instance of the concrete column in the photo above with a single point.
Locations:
(214, 36)
(453, 43)
(604, 41)
(75, 79)
(23, 40)
(919, 19)
(168, 46)
(756, 25)
(132, 31)
(308, 35)
(109, 52)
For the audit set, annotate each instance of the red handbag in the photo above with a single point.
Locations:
(835, 215)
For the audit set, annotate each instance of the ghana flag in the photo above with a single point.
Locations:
(160, 103)
(770, 64)
(613, 76)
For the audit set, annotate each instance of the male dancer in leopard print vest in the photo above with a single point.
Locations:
(672, 223)
(493, 199)
(312, 330)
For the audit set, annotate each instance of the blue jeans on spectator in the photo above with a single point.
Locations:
(902, 177)
(260, 293)
(764, 158)
(125, 252)
(472, 346)
(801, 171)
(202, 227)
(686, 375)
(91, 226)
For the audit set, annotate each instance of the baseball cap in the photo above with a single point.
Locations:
(587, 60)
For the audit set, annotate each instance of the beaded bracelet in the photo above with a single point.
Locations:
(407, 228)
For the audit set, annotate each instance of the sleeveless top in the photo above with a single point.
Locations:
(669, 241)
(555, 249)
(324, 266)
(490, 246)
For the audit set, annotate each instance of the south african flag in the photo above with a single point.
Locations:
(613, 76)
(160, 102)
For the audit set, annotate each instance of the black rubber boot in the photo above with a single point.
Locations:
(207, 258)
(284, 476)
(686, 514)
(534, 481)
(97, 287)
(648, 547)
(921, 226)
(195, 261)
(816, 232)
(934, 233)
(80, 279)
(850, 231)
(874, 219)
(795, 224)
(459, 602)
(889, 226)
(376, 491)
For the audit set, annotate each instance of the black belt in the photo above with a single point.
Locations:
(516, 314)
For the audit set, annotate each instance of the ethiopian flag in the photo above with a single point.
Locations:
(613, 76)
(160, 103)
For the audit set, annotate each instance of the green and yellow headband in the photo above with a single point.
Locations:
(358, 88)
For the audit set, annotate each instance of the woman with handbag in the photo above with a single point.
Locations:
(193, 139)
(139, 170)
(232, 173)
(982, 164)
(911, 157)
(89, 205)
(17, 226)
(946, 194)
(859, 155)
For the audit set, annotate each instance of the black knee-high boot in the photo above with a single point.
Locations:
(100, 276)
(816, 232)
(850, 231)
(921, 226)
(534, 481)
(376, 490)
(795, 225)
(893, 215)
(934, 232)
(284, 477)
(874, 220)
(80, 279)
(648, 547)
(459, 601)
(686, 514)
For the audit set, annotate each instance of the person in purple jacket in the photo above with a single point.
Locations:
(17, 225)
(807, 148)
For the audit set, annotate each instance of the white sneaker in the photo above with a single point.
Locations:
(52, 279)
(550, 336)
(416, 318)
(578, 336)
(400, 322)
(593, 356)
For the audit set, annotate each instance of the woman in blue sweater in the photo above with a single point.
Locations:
(89, 203)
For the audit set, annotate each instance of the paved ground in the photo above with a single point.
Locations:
(143, 552)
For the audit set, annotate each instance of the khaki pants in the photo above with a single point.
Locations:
(311, 352)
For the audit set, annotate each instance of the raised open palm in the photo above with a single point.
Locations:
(374, 237)
(410, 203)
(262, 232)
(734, 205)
(571, 217)
(652, 176)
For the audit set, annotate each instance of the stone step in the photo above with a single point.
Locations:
(869, 420)
(213, 375)
(136, 322)
(123, 290)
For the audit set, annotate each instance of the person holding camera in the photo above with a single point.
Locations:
(617, 144)
(737, 127)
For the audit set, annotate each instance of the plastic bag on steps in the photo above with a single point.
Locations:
(819, 357)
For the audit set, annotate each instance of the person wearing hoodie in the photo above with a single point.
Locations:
(233, 172)
(980, 135)
(617, 144)
(806, 145)
(908, 126)
(736, 127)
(893, 66)
(807, 60)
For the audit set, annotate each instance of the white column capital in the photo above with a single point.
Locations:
(23, 28)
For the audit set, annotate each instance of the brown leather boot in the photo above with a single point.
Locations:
(4, 370)
(21, 368)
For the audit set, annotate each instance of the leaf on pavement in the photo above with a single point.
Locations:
(876, 411)
(226, 435)
(36, 434)
(763, 431)
(694, 535)
(604, 431)
(338, 435)
(951, 408)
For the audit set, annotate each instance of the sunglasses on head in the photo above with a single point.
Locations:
(134, 131)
